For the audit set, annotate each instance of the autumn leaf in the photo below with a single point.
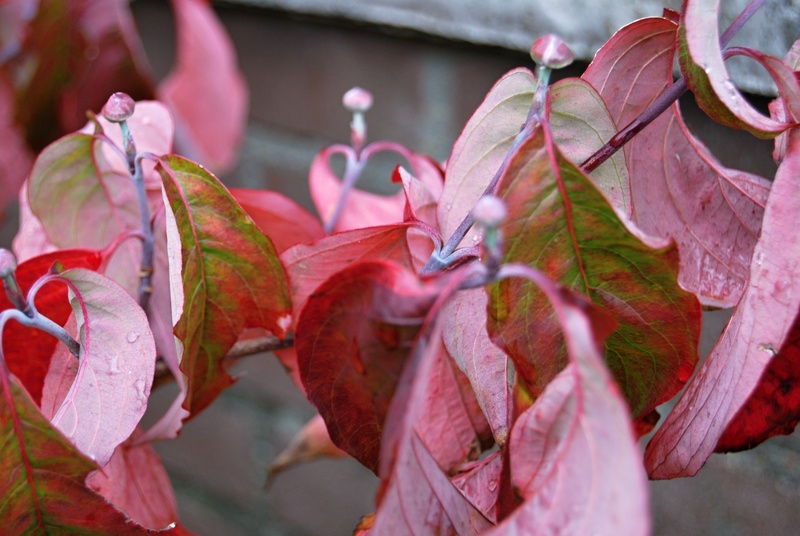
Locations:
(205, 89)
(44, 476)
(352, 341)
(285, 222)
(756, 333)
(678, 189)
(561, 224)
(15, 157)
(230, 276)
(482, 147)
(702, 64)
(115, 368)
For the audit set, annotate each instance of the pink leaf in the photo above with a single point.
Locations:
(206, 91)
(573, 456)
(136, 483)
(416, 497)
(702, 64)
(480, 481)
(115, 371)
(285, 222)
(755, 334)
(482, 147)
(678, 189)
(486, 365)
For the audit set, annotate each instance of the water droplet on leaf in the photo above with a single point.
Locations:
(132, 337)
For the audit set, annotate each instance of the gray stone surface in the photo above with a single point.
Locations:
(584, 24)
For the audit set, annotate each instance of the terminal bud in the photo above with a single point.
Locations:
(118, 108)
(357, 100)
(552, 52)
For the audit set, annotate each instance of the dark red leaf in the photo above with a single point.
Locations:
(285, 222)
(352, 341)
(758, 330)
(28, 350)
(224, 273)
(15, 157)
(678, 189)
(205, 90)
(774, 406)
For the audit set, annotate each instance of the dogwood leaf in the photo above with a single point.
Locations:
(205, 90)
(581, 125)
(44, 475)
(28, 350)
(701, 61)
(15, 157)
(309, 265)
(486, 365)
(232, 278)
(352, 340)
(416, 496)
(561, 224)
(115, 368)
(678, 189)
(285, 222)
(774, 406)
(482, 146)
(757, 331)
(135, 481)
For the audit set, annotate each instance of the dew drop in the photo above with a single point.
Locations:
(492, 485)
(448, 206)
(132, 337)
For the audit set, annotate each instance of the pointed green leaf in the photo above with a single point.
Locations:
(562, 225)
(230, 276)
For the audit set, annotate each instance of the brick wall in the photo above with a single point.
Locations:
(424, 92)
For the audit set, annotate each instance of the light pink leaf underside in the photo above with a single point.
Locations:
(678, 189)
(486, 365)
(482, 147)
(115, 372)
(756, 331)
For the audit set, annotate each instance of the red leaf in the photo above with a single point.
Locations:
(561, 224)
(778, 109)
(574, 459)
(206, 91)
(702, 64)
(43, 487)
(759, 328)
(774, 406)
(309, 265)
(352, 341)
(713, 213)
(227, 276)
(486, 365)
(482, 147)
(136, 483)
(416, 496)
(480, 483)
(285, 222)
(115, 368)
(421, 204)
(28, 350)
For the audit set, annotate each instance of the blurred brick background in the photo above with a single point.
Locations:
(425, 90)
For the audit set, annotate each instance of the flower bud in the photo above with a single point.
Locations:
(552, 52)
(489, 211)
(119, 107)
(357, 100)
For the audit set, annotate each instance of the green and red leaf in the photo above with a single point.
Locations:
(227, 275)
(562, 225)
